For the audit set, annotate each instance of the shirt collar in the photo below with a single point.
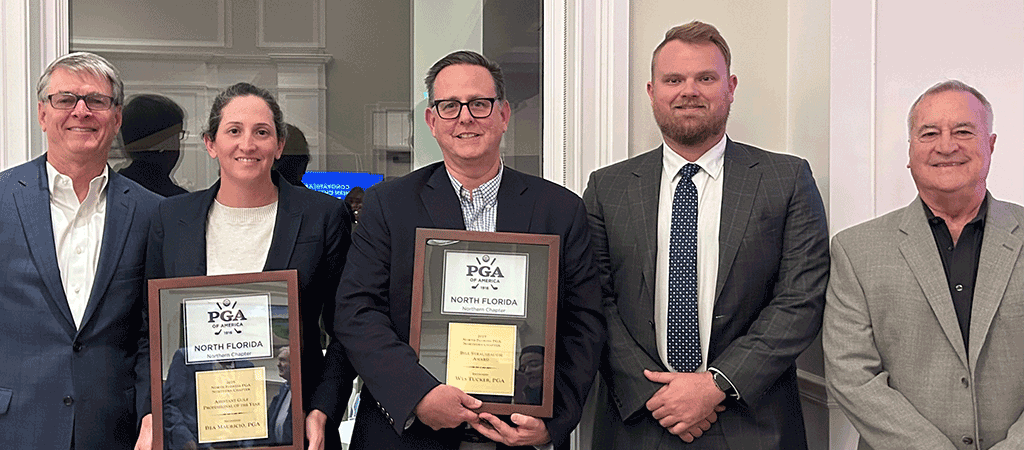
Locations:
(487, 192)
(711, 161)
(979, 219)
(61, 185)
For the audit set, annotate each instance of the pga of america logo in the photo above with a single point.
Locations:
(227, 317)
(485, 274)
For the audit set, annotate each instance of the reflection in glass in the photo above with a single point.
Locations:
(530, 376)
(180, 412)
(152, 131)
(348, 74)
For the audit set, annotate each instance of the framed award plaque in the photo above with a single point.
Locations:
(225, 370)
(483, 319)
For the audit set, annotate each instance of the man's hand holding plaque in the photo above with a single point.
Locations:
(446, 407)
(528, 430)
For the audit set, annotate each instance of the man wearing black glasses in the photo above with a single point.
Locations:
(73, 232)
(403, 406)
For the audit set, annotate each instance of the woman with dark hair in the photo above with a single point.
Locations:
(251, 220)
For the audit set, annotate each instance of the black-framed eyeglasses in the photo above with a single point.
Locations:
(479, 108)
(94, 102)
(182, 135)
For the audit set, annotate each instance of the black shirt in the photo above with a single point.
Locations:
(960, 261)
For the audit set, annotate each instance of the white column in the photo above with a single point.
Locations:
(34, 33)
(15, 51)
(586, 82)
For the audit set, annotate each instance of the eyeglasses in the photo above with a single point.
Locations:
(479, 108)
(67, 100)
(182, 135)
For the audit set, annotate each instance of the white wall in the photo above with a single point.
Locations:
(883, 58)
(780, 57)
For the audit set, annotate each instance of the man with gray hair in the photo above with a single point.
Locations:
(73, 334)
(922, 331)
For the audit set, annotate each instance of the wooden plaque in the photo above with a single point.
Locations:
(484, 309)
(214, 347)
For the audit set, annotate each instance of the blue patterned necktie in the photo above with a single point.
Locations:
(683, 332)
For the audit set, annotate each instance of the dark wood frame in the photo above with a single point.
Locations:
(551, 311)
(290, 277)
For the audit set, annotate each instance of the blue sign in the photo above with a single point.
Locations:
(338, 184)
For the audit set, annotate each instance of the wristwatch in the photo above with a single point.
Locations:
(723, 383)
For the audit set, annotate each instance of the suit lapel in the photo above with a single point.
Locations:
(918, 248)
(33, 203)
(286, 227)
(1000, 248)
(191, 259)
(120, 213)
(643, 191)
(515, 203)
(441, 202)
(739, 187)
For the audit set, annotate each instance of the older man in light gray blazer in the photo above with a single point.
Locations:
(924, 316)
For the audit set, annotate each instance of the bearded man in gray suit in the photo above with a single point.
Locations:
(924, 320)
(713, 258)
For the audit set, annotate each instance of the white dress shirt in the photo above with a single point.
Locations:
(709, 211)
(77, 235)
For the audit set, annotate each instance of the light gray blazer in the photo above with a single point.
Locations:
(894, 356)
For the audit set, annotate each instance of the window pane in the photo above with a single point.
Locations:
(349, 75)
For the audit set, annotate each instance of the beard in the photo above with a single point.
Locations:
(691, 131)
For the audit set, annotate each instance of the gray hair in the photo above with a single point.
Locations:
(83, 62)
(466, 57)
(948, 86)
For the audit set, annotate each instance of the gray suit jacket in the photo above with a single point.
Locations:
(772, 272)
(894, 357)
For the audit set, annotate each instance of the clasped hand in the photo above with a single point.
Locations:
(687, 403)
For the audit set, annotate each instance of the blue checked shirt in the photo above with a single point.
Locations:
(479, 206)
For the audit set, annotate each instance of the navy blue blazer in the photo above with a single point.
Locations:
(61, 384)
(312, 235)
(374, 299)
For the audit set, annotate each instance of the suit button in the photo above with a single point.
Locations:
(964, 382)
(968, 440)
(68, 401)
(77, 346)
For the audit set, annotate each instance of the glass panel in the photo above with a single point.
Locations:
(441, 311)
(348, 75)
